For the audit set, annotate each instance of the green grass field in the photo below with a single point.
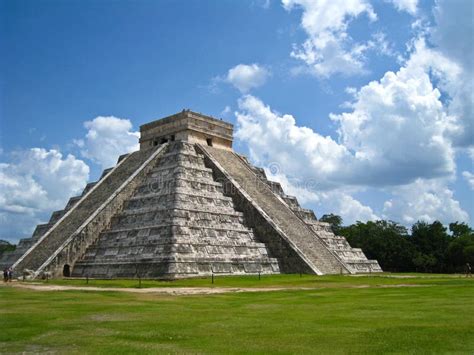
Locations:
(434, 315)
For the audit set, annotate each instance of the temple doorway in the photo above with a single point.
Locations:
(66, 270)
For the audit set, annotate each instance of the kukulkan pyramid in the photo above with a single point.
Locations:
(184, 205)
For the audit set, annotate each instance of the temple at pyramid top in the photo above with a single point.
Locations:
(187, 126)
(184, 205)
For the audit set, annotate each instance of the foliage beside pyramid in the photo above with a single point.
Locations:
(184, 205)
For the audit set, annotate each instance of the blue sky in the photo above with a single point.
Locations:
(360, 108)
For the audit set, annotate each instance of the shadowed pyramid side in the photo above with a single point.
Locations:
(353, 258)
(260, 199)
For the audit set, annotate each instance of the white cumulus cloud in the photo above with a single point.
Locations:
(299, 150)
(392, 140)
(393, 136)
(246, 77)
(410, 6)
(35, 183)
(398, 125)
(452, 37)
(469, 177)
(329, 49)
(106, 139)
(424, 200)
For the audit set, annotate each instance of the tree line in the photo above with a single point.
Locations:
(427, 247)
(6, 246)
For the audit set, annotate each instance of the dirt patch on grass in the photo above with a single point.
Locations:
(393, 276)
(177, 291)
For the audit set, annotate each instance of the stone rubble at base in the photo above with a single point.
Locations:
(184, 205)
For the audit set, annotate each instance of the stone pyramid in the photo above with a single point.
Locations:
(184, 205)
(177, 222)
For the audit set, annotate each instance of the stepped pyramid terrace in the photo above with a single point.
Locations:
(184, 205)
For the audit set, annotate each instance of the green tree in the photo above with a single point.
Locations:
(334, 220)
(6, 246)
(432, 241)
(461, 248)
(460, 229)
(424, 262)
(385, 241)
(469, 254)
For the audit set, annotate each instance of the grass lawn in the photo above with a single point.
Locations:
(268, 281)
(334, 317)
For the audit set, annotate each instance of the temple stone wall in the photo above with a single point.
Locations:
(187, 126)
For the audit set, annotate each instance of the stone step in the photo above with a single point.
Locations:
(123, 156)
(260, 172)
(41, 229)
(181, 192)
(189, 172)
(56, 216)
(291, 201)
(179, 195)
(72, 201)
(216, 252)
(184, 211)
(89, 187)
(336, 244)
(173, 269)
(179, 224)
(105, 172)
(305, 214)
(206, 220)
(157, 186)
(175, 256)
(171, 166)
(171, 159)
(107, 240)
(184, 181)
